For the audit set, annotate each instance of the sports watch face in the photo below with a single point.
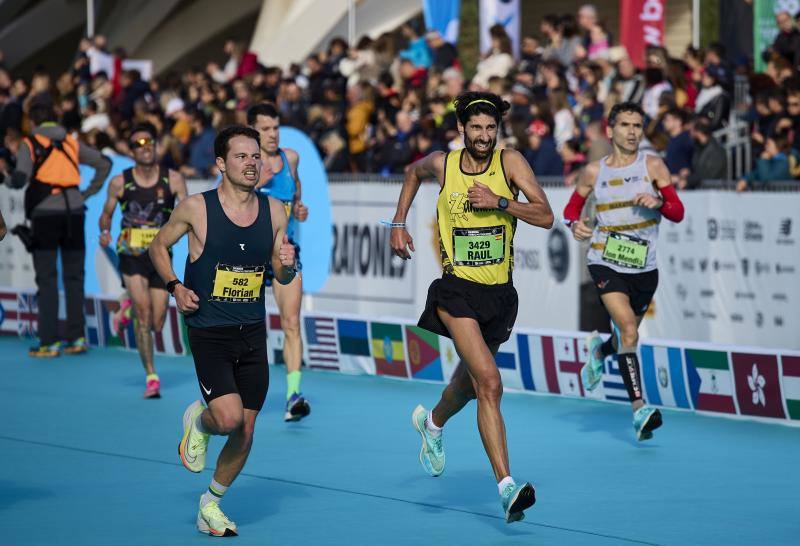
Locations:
(502, 203)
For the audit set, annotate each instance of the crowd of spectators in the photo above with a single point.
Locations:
(384, 102)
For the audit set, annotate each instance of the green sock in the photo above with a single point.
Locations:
(292, 383)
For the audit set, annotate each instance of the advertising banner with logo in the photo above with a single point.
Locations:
(641, 23)
(730, 272)
(366, 278)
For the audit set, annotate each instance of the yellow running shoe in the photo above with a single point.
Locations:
(192, 448)
(211, 521)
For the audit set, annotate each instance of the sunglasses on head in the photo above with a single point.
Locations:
(140, 142)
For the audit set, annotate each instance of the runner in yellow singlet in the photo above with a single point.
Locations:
(474, 302)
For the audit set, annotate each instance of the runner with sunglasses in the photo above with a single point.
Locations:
(146, 194)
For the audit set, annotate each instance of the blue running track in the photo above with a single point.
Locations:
(85, 461)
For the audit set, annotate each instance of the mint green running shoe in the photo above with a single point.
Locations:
(645, 421)
(431, 454)
(516, 499)
(592, 371)
(193, 444)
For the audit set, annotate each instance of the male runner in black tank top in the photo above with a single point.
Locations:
(234, 234)
(146, 194)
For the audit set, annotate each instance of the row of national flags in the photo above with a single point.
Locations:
(715, 380)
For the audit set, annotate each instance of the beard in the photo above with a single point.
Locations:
(477, 154)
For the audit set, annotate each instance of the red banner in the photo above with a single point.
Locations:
(641, 23)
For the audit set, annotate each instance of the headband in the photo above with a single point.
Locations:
(476, 101)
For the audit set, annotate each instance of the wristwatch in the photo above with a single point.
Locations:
(172, 284)
(502, 203)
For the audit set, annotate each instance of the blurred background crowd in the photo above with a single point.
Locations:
(378, 105)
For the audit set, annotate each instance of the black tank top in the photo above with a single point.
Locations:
(144, 211)
(228, 277)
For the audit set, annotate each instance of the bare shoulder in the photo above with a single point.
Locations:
(654, 161)
(590, 172)
(276, 205)
(513, 158)
(190, 207)
(116, 184)
(292, 156)
(658, 171)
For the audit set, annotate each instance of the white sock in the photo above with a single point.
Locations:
(504, 482)
(198, 423)
(213, 493)
(431, 426)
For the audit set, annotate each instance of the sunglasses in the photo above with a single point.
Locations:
(140, 142)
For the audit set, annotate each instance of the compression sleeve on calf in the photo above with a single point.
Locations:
(572, 211)
(672, 209)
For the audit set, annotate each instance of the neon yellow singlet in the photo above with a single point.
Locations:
(476, 244)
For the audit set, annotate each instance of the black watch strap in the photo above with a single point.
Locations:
(172, 284)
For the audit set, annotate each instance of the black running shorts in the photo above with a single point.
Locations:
(640, 287)
(142, 266)
(232, 359)
(493, 306)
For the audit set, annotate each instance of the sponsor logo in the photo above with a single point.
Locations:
(616, 182)
(703, 263)
(780, 296)
(689, 229)
(778, 321)
(680, 289)
(602, 284)
(687, 264)
(762, 268)
(241, 245)
(713, 229)
(784, 269)
(689, 314)
(706, 293)
(736, 317)
(724, 266)
(708, 315)
(672, 264)
(785, 232)
(363, 250)
(759, 319)
(745, 266)
(753, 231)
(727, 230)
(527, 259)
(744, 295)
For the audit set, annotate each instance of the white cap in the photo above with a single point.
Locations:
(174, 105)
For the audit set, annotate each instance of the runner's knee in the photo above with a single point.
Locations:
(290, 325)
(158, 322)
(143, 315)
(228, 422)
(629, 334)
(489, 389)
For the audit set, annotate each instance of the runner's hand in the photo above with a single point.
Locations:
(581, 230)
(105, 239)
(300, 211)
(647, 200)
(286, 252)
(186, 299)
(401, 241)
(481, 197)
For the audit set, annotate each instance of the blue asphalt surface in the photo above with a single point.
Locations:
(84, 460)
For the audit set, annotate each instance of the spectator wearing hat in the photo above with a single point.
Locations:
(542, 154)
(713, 102)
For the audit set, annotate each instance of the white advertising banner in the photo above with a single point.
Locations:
(366, 278)
(730, 272)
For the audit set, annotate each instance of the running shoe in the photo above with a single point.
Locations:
(153, 387)
(192, 448)
(45, 351)
(77, 347)
(592, 371)
(297, 407)
(123, 315)
(212, 521)
(645, 421)
(431, 454)
(516, 499)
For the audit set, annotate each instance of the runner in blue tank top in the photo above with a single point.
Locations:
(223, 302)
(633, 191)
(279, 179)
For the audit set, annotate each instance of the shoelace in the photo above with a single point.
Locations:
(198, 445)
(437, 443)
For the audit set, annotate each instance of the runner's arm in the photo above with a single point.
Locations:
(536, 211)
(430, 166)
(300, 211)
(572, 212)
(178, 225)
(177, 185)
(112, 198)
(283, 252)
(670, 204)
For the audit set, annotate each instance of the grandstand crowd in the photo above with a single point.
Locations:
(380, 104)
